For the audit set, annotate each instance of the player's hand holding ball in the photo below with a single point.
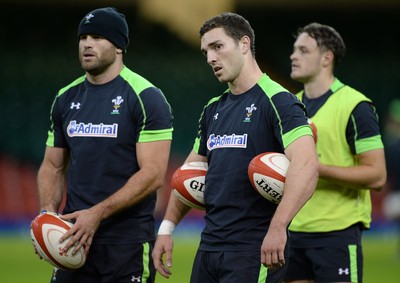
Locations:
(46, 231)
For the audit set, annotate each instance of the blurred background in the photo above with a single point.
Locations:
(39, 49)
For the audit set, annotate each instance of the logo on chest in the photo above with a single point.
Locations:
(249, 113)
(75, 105)
(75, 129)
(226, 141)
(117, 104)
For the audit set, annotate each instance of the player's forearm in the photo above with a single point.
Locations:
(291, 204)
(51, 183)
(176, 210)
(138, 187)
(301, 180)
(369, 172)
(356, 177)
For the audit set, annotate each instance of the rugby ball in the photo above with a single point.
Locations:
(267, 173)
(188, 184)
(313, 129)
(46, 231)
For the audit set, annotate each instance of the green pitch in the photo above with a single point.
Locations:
(19, 264)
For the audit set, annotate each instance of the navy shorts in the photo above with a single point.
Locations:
(233, 267)
(342, 262)
(112, 264)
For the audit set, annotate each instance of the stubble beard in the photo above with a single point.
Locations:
(95, 68)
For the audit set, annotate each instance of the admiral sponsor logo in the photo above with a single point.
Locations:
(75, 129)
(226, 141)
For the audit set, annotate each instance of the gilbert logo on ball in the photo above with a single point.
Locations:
(46, 231)
(267, 174)
(188, 183)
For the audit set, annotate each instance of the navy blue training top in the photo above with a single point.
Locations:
(100, 126)
(232, 130)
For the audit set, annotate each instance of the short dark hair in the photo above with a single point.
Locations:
(234, 25)
(327, 38)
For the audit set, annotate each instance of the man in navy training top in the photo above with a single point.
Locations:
(245, 235)
(111, 129)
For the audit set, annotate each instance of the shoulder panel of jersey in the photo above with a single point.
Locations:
(272, 88)
(74, 83)
(139, 84)
(136, 81)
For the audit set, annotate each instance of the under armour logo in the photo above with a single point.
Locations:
(343, 271)
(136, 279)
(75, 105)
(216, 116)
(54, 276)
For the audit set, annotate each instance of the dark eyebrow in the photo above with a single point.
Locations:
(212, 44)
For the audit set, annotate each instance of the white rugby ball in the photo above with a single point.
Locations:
(46, 231)
(188, 183)
(267, 174)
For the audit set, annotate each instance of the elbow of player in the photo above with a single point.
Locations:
(378, 183)
(314, 169)
(159, 181)
(153, 177)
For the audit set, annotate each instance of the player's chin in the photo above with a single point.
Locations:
(220, 78)
(85, 66)
(296, 76)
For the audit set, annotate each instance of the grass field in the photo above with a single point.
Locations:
(19, 264)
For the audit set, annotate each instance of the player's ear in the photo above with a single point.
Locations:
(245, 44)
(119, 51)
(327, 58)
